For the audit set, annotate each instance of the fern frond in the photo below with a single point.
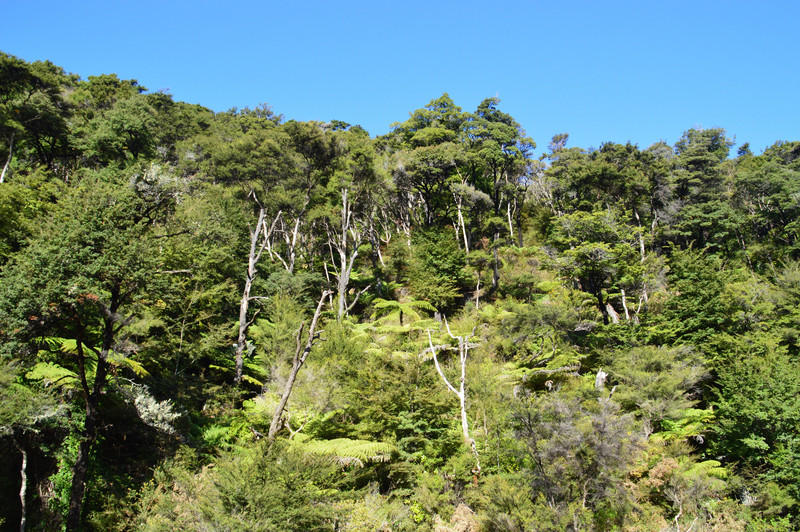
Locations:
(118, 359)
(216, 434)
(63, 345)
(53, 375)
(259, 405)
(346, 452)
(386, 309)
(711, 468)
(393, 329)
(251, 380)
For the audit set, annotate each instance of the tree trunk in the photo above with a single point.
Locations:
(23, 473)
(641, 234)
(252, 261)
(81, 467)
(345, 263)
(510, 225)
(300, 356)
(495, 266)
(625, 306)
(10, 154)
(241, 341)
(461, 393)
(92, 400)
(518, 211)
(461, 224)
(79, 473)
(612, 313)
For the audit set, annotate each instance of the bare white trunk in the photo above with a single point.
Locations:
(8, 161)
(23, 473)
(641, 234)
(257, 246)
(461, 393)
(380, 257)
(293, 246)
(241, 341)
(346, 242)
(461, 224)
(625, 306)
(612, 313)
(510, 225)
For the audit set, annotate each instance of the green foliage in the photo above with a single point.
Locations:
(600, 256)
(757, 404)
(659, 383)
(689, 423)
(124, 224)
(386, 311)
(274, 337)
(259, 488)
(346, 452)
(695, 311)
(437, 271)
(577, 452)
(62, 478)
(23, 408)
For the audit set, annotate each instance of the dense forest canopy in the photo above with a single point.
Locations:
(235, 321)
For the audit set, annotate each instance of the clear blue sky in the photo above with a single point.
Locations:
(601, 71)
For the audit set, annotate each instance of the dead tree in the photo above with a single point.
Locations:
(259, 239)
(463, 351)
(345, 240)
(300, 355)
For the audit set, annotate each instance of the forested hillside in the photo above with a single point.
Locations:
(239, 321)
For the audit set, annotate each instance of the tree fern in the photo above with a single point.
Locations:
(386, 310)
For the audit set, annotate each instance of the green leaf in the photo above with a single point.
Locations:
(53, 375)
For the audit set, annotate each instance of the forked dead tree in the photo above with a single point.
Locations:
(259, 239)
(461, 392)
(300, 355)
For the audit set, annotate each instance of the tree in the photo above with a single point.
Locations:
(698, 155)
(696, 311)
(757, 404)
(600, 256)
(461, 392)
(699, 196)
(661, 383)
(499, 163)
(260, 235)
(33, 113)
(438, 268)
(763, 193)
(577, 454)
(260, 488)
(256, 161)
(300, 355)
(83, 279)
(23, 411)
(350, 222)
(121, 134)
(431, 153)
